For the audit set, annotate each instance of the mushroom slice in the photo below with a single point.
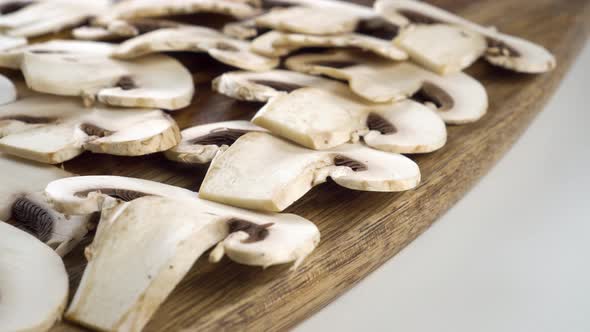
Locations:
(122, 28)
(502, 50)
(155, 81)
(458, 98)
(200, 144)
(7, 91)
(460, 47)
(275, 43)
(34, 283)
(24, 205)
(154, 8)
(321, 114)
(164, 237)
(7, 42)
(43, 17)
(53, 129)
(12, 58)
(227, 50)
(261, 87)
(263, 172)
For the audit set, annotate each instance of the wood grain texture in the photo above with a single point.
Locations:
(360, 231)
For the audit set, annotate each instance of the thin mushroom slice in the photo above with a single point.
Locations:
(44, 17)
(261, 87)
(442, 48)
(503, 50)
(12, 58)
(118, 29)
(149, 245)
(7, 91)
(275, 43)
(52, 130)
(155, 8)
(200, 144)
(263, 172)
(319, 113)
(34, 283)
(227, 50)
(155, 81)
(458, 98)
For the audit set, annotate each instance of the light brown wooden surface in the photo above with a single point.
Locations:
(360, 231)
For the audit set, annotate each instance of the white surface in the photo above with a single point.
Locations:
(512, 256)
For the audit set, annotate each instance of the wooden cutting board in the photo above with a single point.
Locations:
(360, 231)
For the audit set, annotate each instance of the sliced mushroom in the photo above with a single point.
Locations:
(88, 194)
(458, 98)
(154, 8)
(200, 144)
(12, 58)
(7, 91)
(442, 48)
(7, 42)
(34, 283)
(502, 50)
(53, 129)
(155, 81)
(263, 172)
(227, 50)
(44, 17)
(275, 43)
(148, 245)
(118, 29)
(321, 114)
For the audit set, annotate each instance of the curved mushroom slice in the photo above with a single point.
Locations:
(155, 81)
(458, 98)
(43, 17)
(164, 238)
(502, 50)
(200, 144)
(7, 91)
(12, 58)
(227, 50)
(54, 129)
(156, 8)
(275, 43)
(263, 172)
(261, 87)
(34, 283)
(320, 114)
(122, 29)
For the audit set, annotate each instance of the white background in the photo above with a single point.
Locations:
(512, 256)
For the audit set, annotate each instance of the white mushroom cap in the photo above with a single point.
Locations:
(263, 172)
(200, 144)
(52, 130)
(12, 58)
(34, 283)
(7, 42)
(156, 8)
(173, 233)
(275, 43)
(43, 17)
(227, 50)
(463, 99)
(442, 48)
(503, 50)
(155, 81)
(7, 91)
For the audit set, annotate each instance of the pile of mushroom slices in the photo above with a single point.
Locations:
(388, 85)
